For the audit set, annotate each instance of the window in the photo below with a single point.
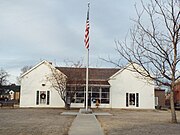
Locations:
(42, 97)
(105, 90)
(104, 101)
(77, 95)
(95, 95)
(95, 89)
(132, 99)
(80, 94)
(105, 95)
(101, 94)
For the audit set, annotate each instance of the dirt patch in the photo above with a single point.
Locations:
(138, 122)
(34, 122)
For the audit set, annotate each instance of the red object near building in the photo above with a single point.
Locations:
(177, 93)
(159, 98)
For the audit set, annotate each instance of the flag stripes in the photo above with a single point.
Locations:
(86, 39)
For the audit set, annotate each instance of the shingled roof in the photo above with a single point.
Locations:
(97, 76)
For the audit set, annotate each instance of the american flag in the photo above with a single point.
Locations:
(86, 39)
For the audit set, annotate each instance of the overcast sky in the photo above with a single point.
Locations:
(53, 30)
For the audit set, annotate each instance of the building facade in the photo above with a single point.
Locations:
(109, 87)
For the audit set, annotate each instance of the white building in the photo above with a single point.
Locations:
(112, 88)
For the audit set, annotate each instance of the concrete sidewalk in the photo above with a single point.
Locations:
(85, 124)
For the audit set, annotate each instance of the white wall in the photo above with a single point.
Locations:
(128, 82)
(32, 82)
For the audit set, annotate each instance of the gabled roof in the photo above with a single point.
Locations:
(120, 70)
(15, 88)
(97, 76)
(42, 62)
(127, 67)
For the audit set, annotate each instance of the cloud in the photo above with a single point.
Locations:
(34, 30)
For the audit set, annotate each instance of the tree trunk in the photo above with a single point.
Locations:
(67, 106)
(173, 113)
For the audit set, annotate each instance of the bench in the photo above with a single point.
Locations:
(6, 104)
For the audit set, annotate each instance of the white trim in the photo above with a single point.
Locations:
(44, 61)
(118, 72)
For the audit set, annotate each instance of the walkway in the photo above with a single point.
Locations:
(85, 124)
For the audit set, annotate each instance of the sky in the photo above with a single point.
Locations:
(53, 30)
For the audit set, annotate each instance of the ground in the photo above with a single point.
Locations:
(34, 122)
(138, 122)
(122, 122)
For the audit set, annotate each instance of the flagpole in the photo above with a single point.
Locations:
(87, 77)
(87, 47)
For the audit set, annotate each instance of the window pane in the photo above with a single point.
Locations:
(79, 100)
(95, 89)
(132, 99)
(42, 97)
(80, 89)
(95, 95)
(105, 90)
(104, 101)
(104, 95)
(89, 89)
(79, 94)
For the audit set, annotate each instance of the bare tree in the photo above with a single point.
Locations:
(76, 84)
(76, 64)
(58, 82)
(3, 77)
(155, 44)
(23, 70)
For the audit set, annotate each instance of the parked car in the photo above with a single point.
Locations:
(177, 106)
